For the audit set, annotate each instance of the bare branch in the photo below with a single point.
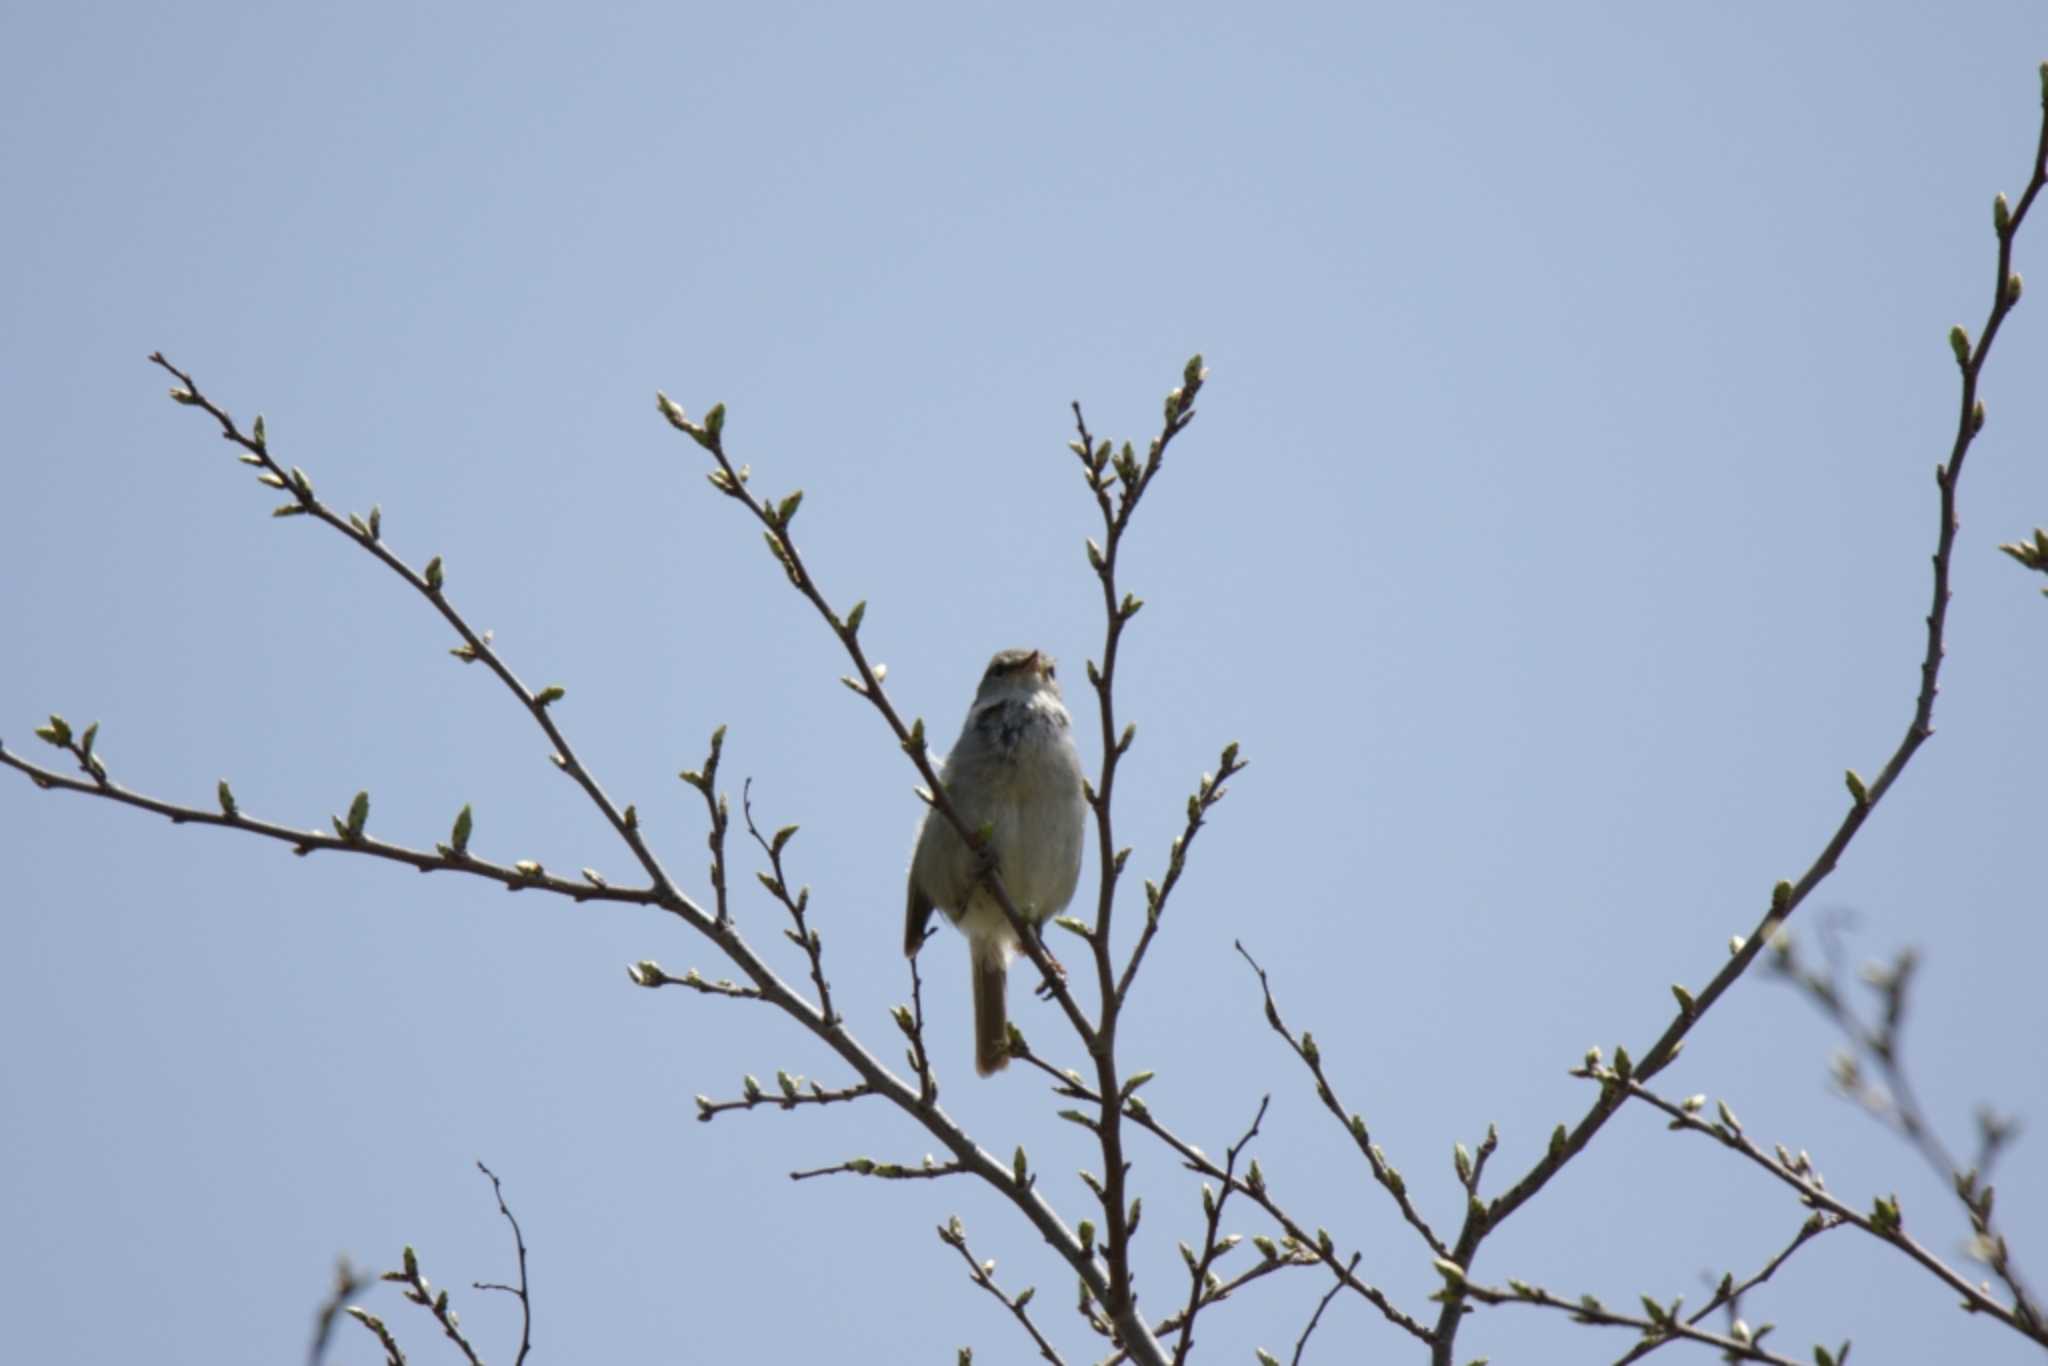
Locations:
(1885, 1222)
(790, 1092)
(520, 1290)
(954, 1235)
(802, 936)
(1383, 1172)
(1787, 897)
(418, 1291)
(1301, 1343)
(887, 1171)
(1202, 1282)
(524, 875)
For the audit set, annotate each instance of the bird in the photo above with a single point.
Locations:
(1015, 773)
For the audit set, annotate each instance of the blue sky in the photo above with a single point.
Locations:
(1553, 535)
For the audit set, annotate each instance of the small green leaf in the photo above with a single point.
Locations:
(782, 837)
(227, 800)
(1858, 793)
(856, 616)
(458, 838)
(376, 522)
(786, 509)
(256, 433)
(714, 421)
(358, 815)
(92, 733)
(433, 574)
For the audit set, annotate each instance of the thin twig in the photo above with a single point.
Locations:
(1317, 1246)
(525, 876)
(790, 1093)
(1383, 1172)
(803, 936)
(886, 1171)
(1214, 1244)
(954, 1235)
(1301, 1343)
(1885, 1222)
(418, 1291)
(1897, 1102)
(520, 1290)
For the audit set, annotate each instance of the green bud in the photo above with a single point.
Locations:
(2001, 214)
(1684, 999)
(184, 396)
(458, 838)
(552, 693)
(358, 814)
(856, 616)
(433, 575)
(227, 800)
(1858, 793)
(1959, 342)
(256, 434)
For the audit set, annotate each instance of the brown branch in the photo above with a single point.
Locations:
(1383, 1172)
(767, 985)
(1207, 793)
(1317, 1246)
(1658, 1324)
(954, 1235)
(1898, 1101)
(1730, 1294)
(1214, 1244)
(418, 1291)
(886, 1171)
(803, 936)
(429, 583)
(789, 1093)
(1787, 897)
(1301, 1343)
(519, 1291)
(519, 877)
(1885, 1222)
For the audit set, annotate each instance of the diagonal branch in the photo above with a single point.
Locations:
(1383, 1171)
(1885, 1222)
(1788, 896)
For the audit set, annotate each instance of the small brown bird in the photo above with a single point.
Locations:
(1015, 770)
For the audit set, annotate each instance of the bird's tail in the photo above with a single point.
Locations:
(991, 1021)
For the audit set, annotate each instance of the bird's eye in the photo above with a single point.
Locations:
(1052, 671)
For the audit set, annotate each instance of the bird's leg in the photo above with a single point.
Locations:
(1046, 988)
